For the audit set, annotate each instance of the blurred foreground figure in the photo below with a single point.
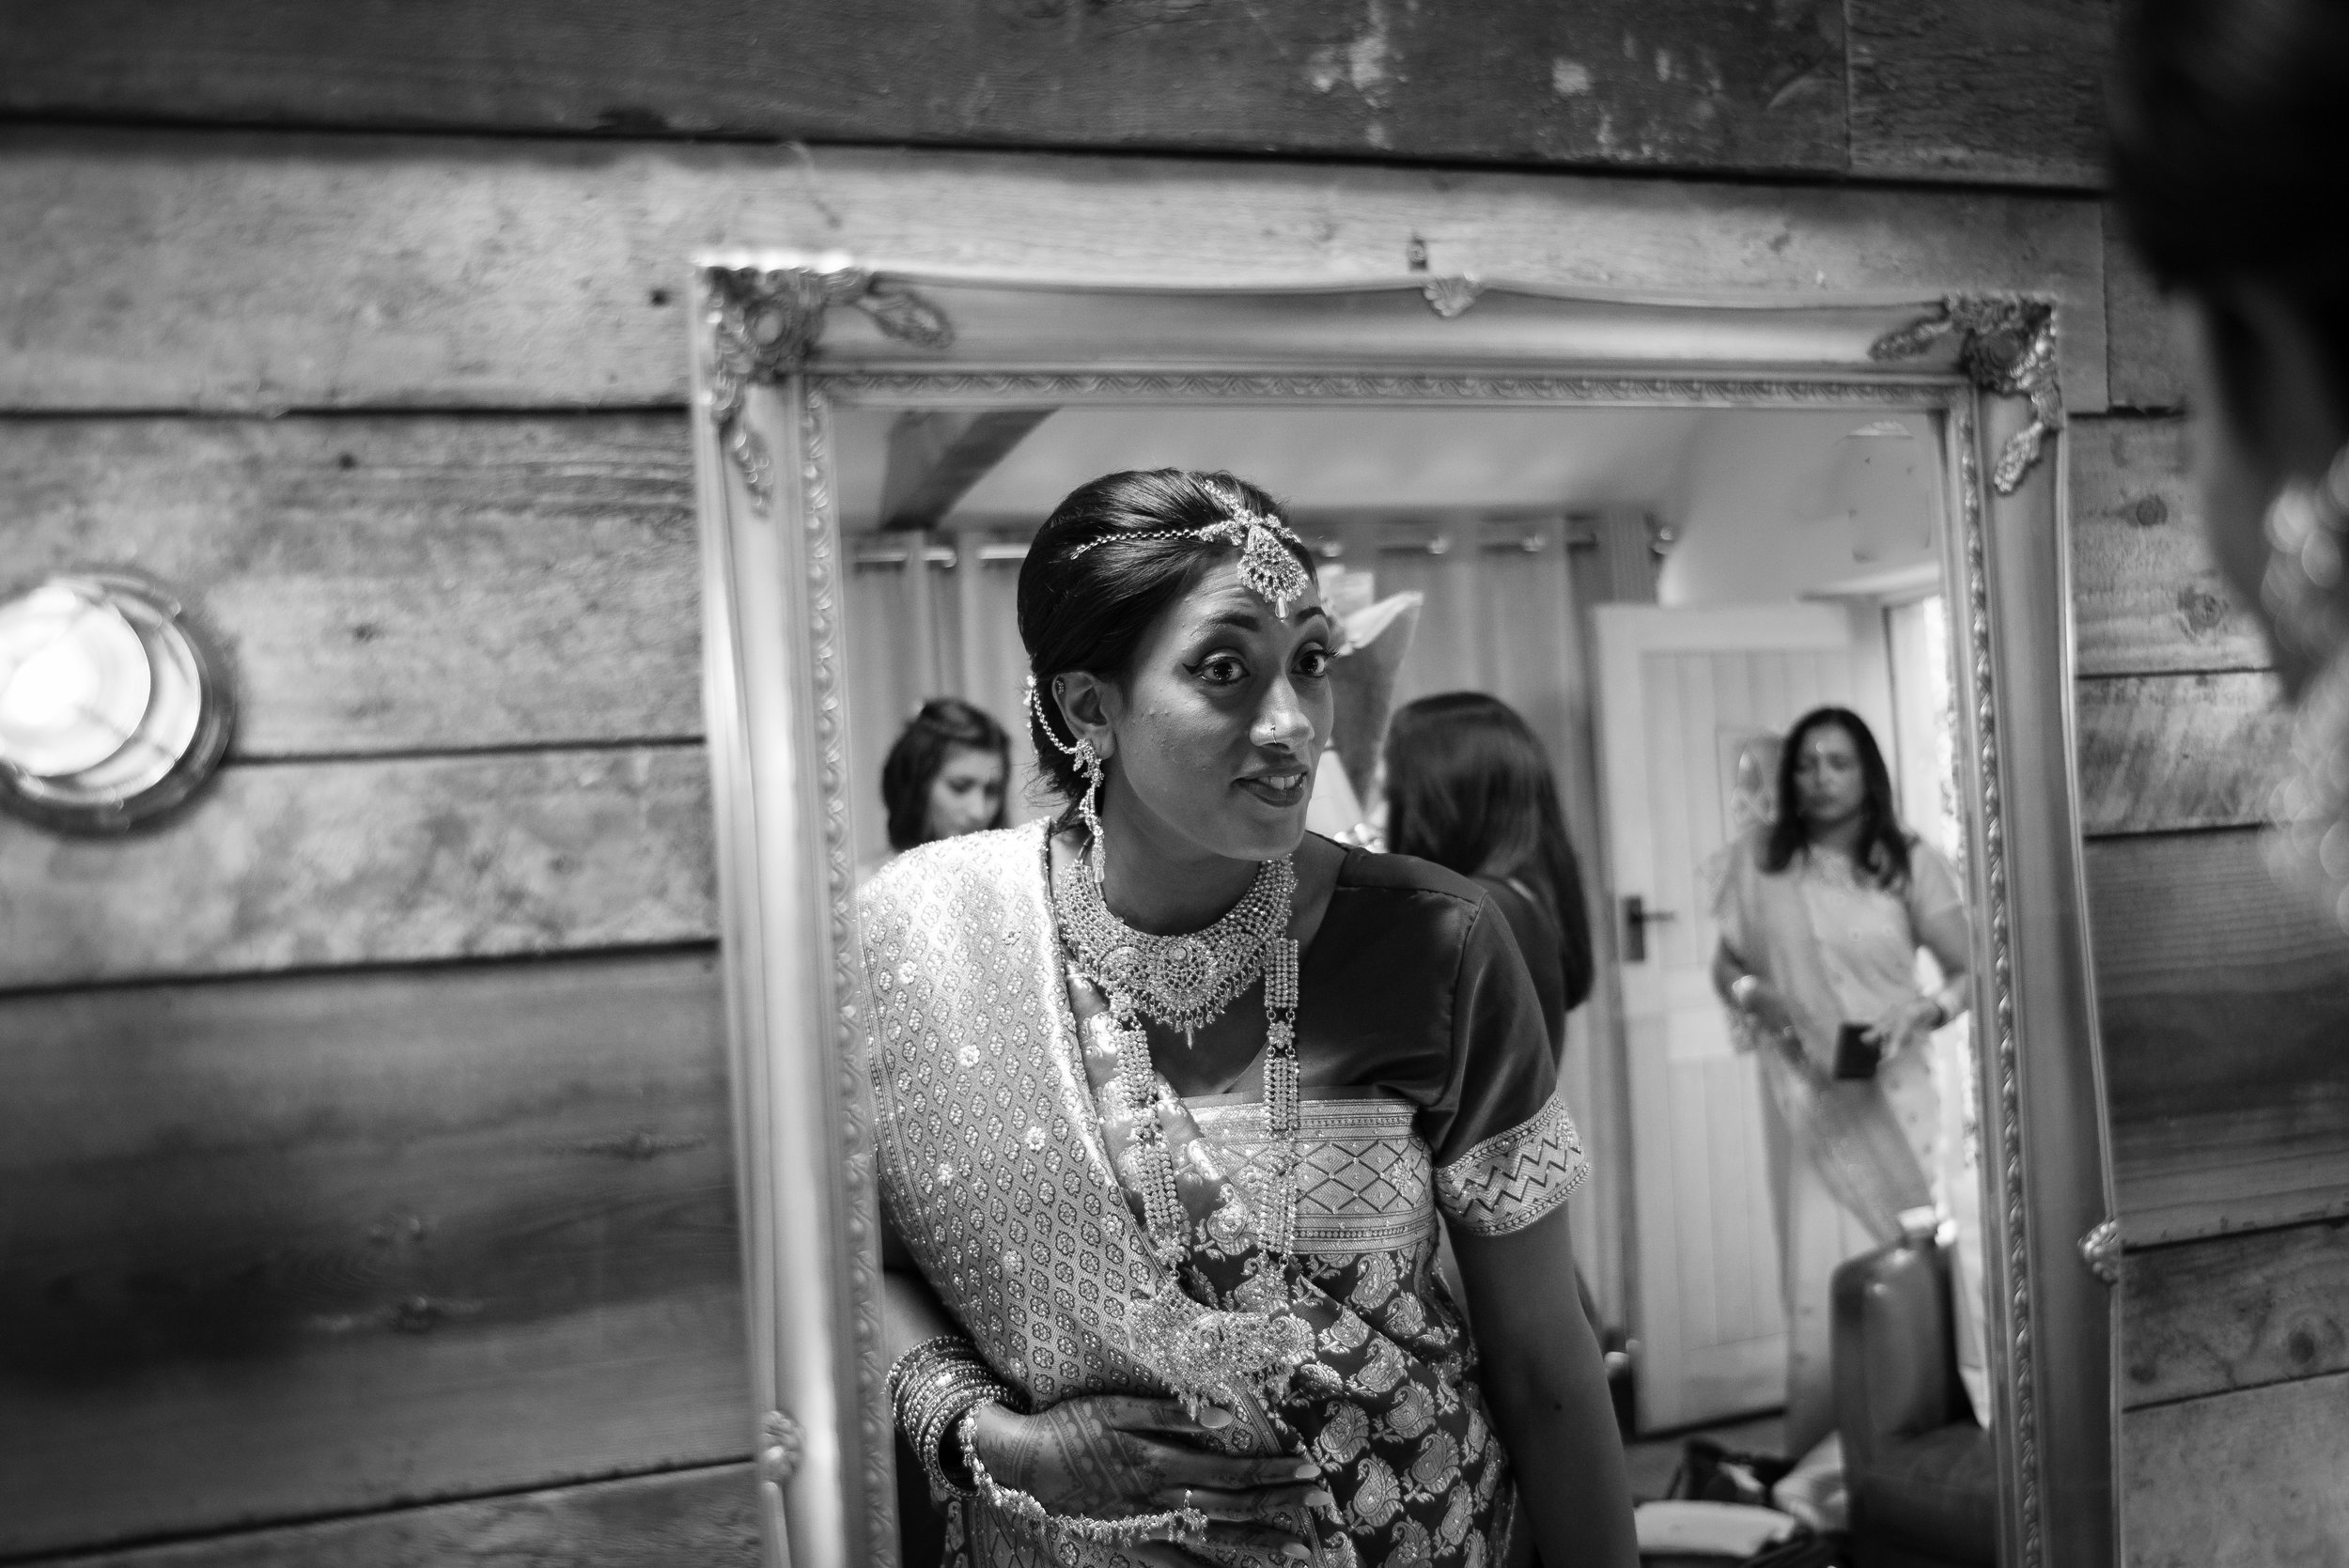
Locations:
(2230, 156)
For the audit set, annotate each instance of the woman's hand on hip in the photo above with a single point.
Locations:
(1110, 1456)
(1767, 1009)
(1903, 1023)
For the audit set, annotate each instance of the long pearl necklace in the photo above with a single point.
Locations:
(1185, 982)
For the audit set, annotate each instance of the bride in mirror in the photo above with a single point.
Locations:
(1132, 1068)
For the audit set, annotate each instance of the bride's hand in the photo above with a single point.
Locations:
(1110, 1456)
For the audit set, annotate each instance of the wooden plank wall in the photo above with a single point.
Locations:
(364, 1134)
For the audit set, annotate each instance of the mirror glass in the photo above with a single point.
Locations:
(1770, 1059)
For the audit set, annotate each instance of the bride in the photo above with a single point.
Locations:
(1170, 1096)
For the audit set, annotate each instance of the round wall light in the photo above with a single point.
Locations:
(113, 708)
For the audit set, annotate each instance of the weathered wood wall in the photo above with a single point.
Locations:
(368, 1186)
(2225, 1013)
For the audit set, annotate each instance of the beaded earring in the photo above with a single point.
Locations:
(2308, 538)
(1088, 760)
(2307, 528)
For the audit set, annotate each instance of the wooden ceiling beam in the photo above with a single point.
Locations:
(936, 456)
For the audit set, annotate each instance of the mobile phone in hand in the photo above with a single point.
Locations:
(1856, 1055)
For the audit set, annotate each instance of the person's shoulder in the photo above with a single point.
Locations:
(1407, 877)
(1752, 846)
(1415, 901)
(1926, 860)
(981, 857)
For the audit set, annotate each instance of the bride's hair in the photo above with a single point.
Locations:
(1087, 598)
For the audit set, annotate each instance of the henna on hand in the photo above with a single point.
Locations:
(1112, 1457)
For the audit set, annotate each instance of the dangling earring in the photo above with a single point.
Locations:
(1089, 808)
(2309, 845)
(1088, 760)
(2305, 526)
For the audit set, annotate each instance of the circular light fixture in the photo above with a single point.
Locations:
(113, 708)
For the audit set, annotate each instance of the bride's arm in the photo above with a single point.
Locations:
(909, 1310)
(1108, 1454)
(1547, 1387)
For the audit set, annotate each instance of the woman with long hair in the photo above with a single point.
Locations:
(2230, 161)
(1823, 911)
(1170, 1097)
(1469, 787)
(945, 774)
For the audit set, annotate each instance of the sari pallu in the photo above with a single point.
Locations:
(997, 1176)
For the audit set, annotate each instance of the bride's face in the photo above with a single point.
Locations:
(1222, 719)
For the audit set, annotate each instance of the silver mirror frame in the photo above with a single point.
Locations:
(781, 338)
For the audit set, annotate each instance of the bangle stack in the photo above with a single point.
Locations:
(936, 1387)
(1184, 1523)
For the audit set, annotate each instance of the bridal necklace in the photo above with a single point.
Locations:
(1186, 981)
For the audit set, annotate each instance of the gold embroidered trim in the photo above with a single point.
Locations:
(1512, 1178)
(1366, 1184)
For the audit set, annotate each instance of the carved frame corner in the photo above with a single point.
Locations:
(763, 323)
(2006, 347)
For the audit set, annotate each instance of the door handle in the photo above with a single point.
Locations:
(1637, 918)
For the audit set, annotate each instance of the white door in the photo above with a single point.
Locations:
(1681, 694)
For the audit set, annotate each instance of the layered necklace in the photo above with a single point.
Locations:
(1183, 982)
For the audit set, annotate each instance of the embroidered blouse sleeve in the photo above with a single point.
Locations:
(1505, 1149)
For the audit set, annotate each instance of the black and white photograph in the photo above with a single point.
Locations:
(1174, 784)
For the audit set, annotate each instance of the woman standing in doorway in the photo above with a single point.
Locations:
(1821, 913)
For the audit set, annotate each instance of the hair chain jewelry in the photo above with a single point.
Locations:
(1267, 548)
(1088, 804)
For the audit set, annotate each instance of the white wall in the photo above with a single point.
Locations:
(1772, 506)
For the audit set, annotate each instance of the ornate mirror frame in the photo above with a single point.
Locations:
(781, 338)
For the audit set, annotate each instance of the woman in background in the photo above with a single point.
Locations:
(2231, 160)
(1821, 913)
(946, 775)
(1469, 786)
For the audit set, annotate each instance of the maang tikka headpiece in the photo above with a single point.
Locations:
(1268, 546)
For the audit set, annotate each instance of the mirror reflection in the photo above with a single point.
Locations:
(1601, 766)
